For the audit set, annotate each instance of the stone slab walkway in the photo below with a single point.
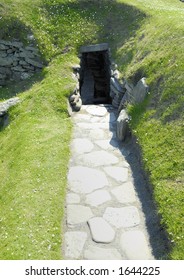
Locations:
(104, 217)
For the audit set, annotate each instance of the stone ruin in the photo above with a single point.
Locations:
(97, 79)
(99, 83)
(18, 62)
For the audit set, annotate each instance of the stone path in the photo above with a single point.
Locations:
(104, 217)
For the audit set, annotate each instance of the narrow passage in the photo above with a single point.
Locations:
(105, 218)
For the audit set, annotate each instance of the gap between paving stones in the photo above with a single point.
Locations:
(109, 210)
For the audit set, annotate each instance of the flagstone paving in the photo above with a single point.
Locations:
(104, 217)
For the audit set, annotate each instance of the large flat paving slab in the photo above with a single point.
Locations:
(125, 193)
(120, 174)
(97, 198)
(74, 243)
(83, 179)
(122, 217)
(77, 214)
(134, 245)
(98, 253)
(82, 145)
(101, 231)
(98, 158)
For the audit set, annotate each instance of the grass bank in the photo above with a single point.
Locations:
(157, 52)
(146, 39)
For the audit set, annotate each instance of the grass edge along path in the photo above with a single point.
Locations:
(34, 152)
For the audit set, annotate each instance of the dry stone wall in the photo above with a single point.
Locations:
(18, 62)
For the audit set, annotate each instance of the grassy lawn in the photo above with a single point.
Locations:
(146, 39)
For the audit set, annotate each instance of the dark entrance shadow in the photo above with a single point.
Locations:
(95, 75)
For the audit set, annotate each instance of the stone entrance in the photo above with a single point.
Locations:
(95, 74)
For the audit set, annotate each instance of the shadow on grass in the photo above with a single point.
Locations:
(12, 28)
(116, 22)
(15, 88)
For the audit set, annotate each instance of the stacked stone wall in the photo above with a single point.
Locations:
(18, 62)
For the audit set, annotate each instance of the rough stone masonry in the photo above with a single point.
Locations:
(18, 62)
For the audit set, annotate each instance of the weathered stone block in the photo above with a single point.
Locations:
(4, 106)
(23, 63)
(28, 67)
(116, 86)
(2, 76)
(8, 61)
(26, 54)
(140, 91)
(18, 68)
(6, 43)
(16, 76)
(122, 129)
(137, 94)
(15, 58)
(3, 53)
(31, 49)
(13, 101)
(25, 75)
(3, 47)
(15, 63)
(94, 48)
(34, 63)
(16, 44)
(10, 51)
(4, 70)
(129, 87)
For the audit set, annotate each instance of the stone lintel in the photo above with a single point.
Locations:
(95, 48)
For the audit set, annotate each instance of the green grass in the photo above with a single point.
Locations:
(158, 49)
(34, 152)
(146, 39)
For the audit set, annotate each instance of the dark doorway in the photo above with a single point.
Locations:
(95, 74)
